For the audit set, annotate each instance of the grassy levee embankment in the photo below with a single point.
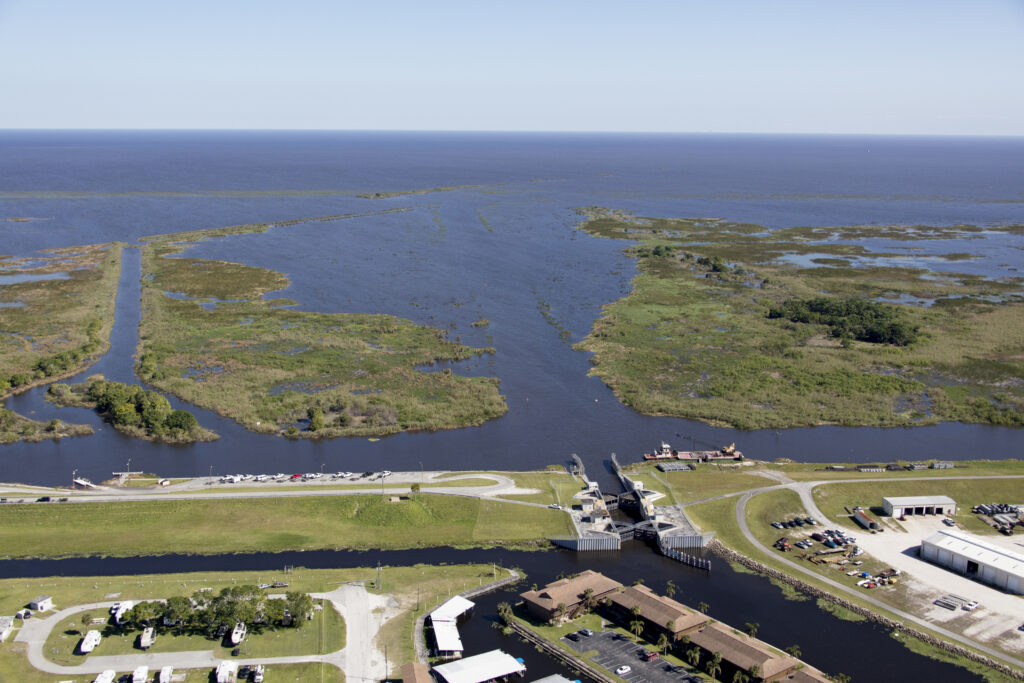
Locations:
(272, 525)
(694, 338)
(805, 471)
(552, 486)
(209, 336)
(707, 481)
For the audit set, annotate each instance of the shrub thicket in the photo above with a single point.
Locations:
(858, 319)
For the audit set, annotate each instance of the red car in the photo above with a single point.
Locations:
(648, 655)
(296, 476)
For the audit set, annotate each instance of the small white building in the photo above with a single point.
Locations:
(6, 626)
(140, 674)
(480, 668)
(106, 676)
(166, 674)
(906, 506)
(976, 558)
(226, 671)
(41, 604)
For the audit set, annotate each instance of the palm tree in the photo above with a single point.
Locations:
(714, 665)
(662, 643)
(505, 612)
(794, 650)
(670, 588)
(637, 627)
(693, 655)
(588, 599)
(841, 678)
(752, 627)
(740, 677)
(703, 607)
(560, 610)
(755, 672)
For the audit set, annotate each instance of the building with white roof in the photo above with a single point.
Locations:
(905, 506)
(6, 626)
(445, 622)
(976, 558)
(41, 604)
(480, 668)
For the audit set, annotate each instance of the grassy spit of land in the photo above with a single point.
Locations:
(693, 338)
(209, 336)
(58, 319)
(272, 525)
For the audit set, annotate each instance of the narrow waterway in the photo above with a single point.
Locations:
(862, 650)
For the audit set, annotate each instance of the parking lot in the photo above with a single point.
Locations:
(614, 650)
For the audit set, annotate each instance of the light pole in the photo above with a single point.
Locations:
(322, 467)
(73, 473)
(422, 478)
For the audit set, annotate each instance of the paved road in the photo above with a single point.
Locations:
(205, 489)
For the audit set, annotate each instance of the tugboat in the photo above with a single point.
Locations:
(238, 634)
(666, 453)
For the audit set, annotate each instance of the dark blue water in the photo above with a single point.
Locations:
(499, 251)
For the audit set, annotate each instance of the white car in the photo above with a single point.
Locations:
(623, 670)
(971, 606)
(385, 473)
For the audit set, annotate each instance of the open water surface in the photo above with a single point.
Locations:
(504, 251)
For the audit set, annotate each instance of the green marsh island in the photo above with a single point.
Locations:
(211, 337)
(739, 325)
(56, 313)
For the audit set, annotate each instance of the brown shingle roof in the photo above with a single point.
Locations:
(658, 609)
(570, 591)
(741, 650)
(806, 675)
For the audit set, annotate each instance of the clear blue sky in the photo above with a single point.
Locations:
(929, 67)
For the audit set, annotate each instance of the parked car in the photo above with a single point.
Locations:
(971, 606)
(648, 656)
(573, 636)
(586, 632)
(777, 525)
(623, 670)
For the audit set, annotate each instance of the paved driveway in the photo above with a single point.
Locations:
(615, 650)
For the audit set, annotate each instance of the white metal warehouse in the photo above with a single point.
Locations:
(977, 558)
(903, 506)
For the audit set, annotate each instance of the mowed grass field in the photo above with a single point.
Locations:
(270, 525)
(707, 481)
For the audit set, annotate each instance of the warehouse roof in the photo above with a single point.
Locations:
(979, 550)
(919, 500)
(480, 668)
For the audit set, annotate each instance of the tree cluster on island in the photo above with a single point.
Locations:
(849, 318)
(208, 614)
(131, 409)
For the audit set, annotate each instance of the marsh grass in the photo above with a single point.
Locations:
(692, 339)
(15, 427)
(359, 370)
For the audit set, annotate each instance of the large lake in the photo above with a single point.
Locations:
(502, 251)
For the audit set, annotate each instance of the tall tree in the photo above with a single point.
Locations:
(637, 627)
(670, 588)
(752, 627)
(714, 665)
(693, 655)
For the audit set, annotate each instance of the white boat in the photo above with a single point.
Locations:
(140, 674)
(238, 633)
(107, 676)
(165, 674)
(89, 643)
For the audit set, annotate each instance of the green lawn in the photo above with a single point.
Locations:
(707, 481)
(271, 525)
(965, 468)
(832, 499)
(323, 634)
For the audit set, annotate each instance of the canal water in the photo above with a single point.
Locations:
(507, 251)
(862, 650)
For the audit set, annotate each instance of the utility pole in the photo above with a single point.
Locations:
(422, 479)
(378, 575)
(322, 467)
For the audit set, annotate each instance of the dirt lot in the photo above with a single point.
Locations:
(999, 615)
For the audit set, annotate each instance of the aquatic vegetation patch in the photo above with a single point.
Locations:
(694, 338)
(14, 428)
(65, 314)
(270, 368)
